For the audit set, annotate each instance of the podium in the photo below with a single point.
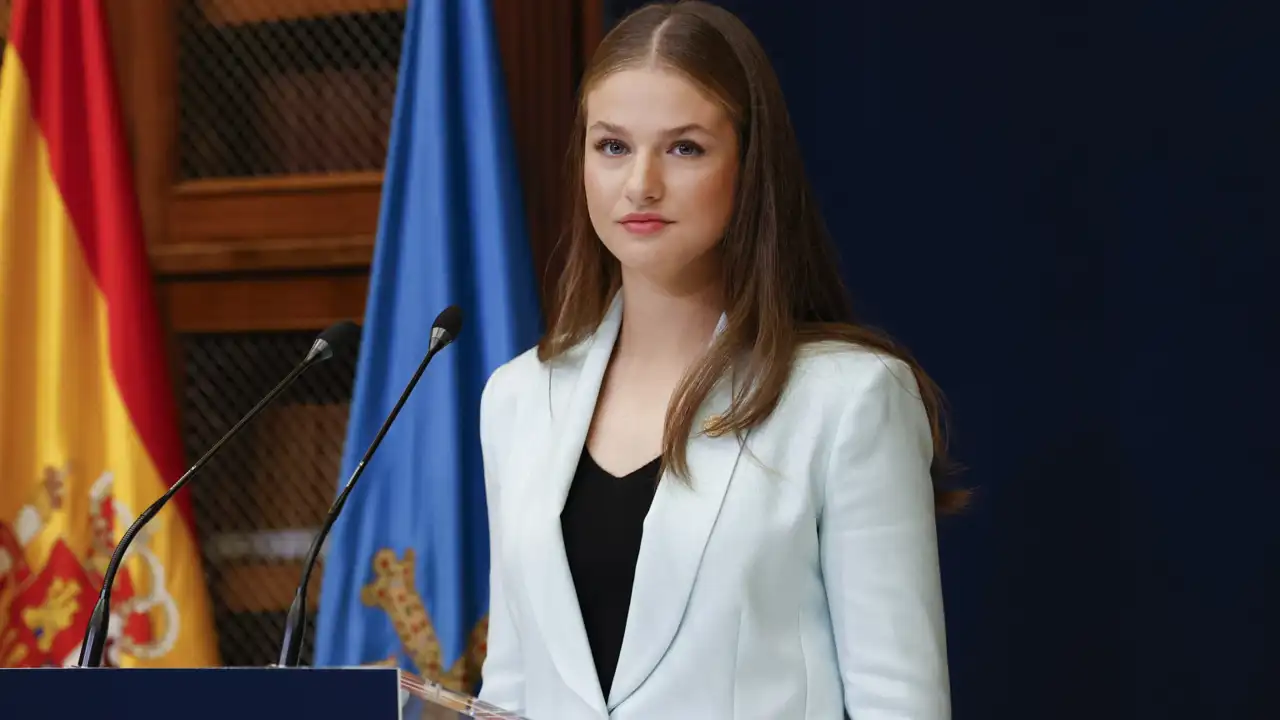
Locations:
(371, 693)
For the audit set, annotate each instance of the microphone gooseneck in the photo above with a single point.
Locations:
(95, 637)
(444, 331)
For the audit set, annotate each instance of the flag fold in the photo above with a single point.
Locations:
(405, 577)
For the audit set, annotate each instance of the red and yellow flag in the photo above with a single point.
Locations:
(88, 423)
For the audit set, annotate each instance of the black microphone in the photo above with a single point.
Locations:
(336, 336)
(443, 331)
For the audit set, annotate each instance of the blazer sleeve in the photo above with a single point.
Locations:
(502, 674)
(879, 553)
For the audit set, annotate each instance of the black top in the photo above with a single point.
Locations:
(602, 522)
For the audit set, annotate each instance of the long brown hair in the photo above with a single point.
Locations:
(781, 281)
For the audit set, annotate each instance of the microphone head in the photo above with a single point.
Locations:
(337, 336)
(448, 324)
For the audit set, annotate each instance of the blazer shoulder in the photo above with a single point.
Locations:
(508, 378)
(503, 389)
(836, 370)
(873, 416)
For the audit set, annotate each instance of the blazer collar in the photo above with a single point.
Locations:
(675, 531)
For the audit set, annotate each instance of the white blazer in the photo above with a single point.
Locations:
(797, 577)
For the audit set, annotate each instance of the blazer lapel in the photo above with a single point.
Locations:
(676, 531)
(545, 567)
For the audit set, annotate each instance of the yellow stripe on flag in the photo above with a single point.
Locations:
(74, 468)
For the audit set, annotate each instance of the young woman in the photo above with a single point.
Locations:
(712, 494)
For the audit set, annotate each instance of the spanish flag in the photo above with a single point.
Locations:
(88, 422)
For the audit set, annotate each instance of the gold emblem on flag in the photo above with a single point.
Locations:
(394, 591)
(47, 590)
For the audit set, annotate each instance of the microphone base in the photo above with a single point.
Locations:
(91, 650)
(294, 626)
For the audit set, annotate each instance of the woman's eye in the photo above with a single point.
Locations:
(611, 147)
(687, 149)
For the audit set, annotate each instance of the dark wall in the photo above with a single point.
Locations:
(1062, 211)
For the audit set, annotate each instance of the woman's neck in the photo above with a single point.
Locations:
(662, 326)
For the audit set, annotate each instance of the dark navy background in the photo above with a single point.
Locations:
(1061, 207)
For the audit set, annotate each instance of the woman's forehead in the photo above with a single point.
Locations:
(652, 101)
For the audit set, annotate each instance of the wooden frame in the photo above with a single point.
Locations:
(296, 226)
(296, 222)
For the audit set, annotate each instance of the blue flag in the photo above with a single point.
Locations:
(406, 574)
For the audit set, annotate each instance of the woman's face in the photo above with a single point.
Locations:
(661, 162)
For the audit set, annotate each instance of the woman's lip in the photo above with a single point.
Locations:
(644, 227)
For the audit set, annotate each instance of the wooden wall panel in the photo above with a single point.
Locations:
(592, 28)
(542, 54)
(270, 224)
(144, 53)
(309, 223)
(309, 302)
(315, 234)
(242, 12)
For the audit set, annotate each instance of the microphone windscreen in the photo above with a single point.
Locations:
(340, 335)
(450, 321)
